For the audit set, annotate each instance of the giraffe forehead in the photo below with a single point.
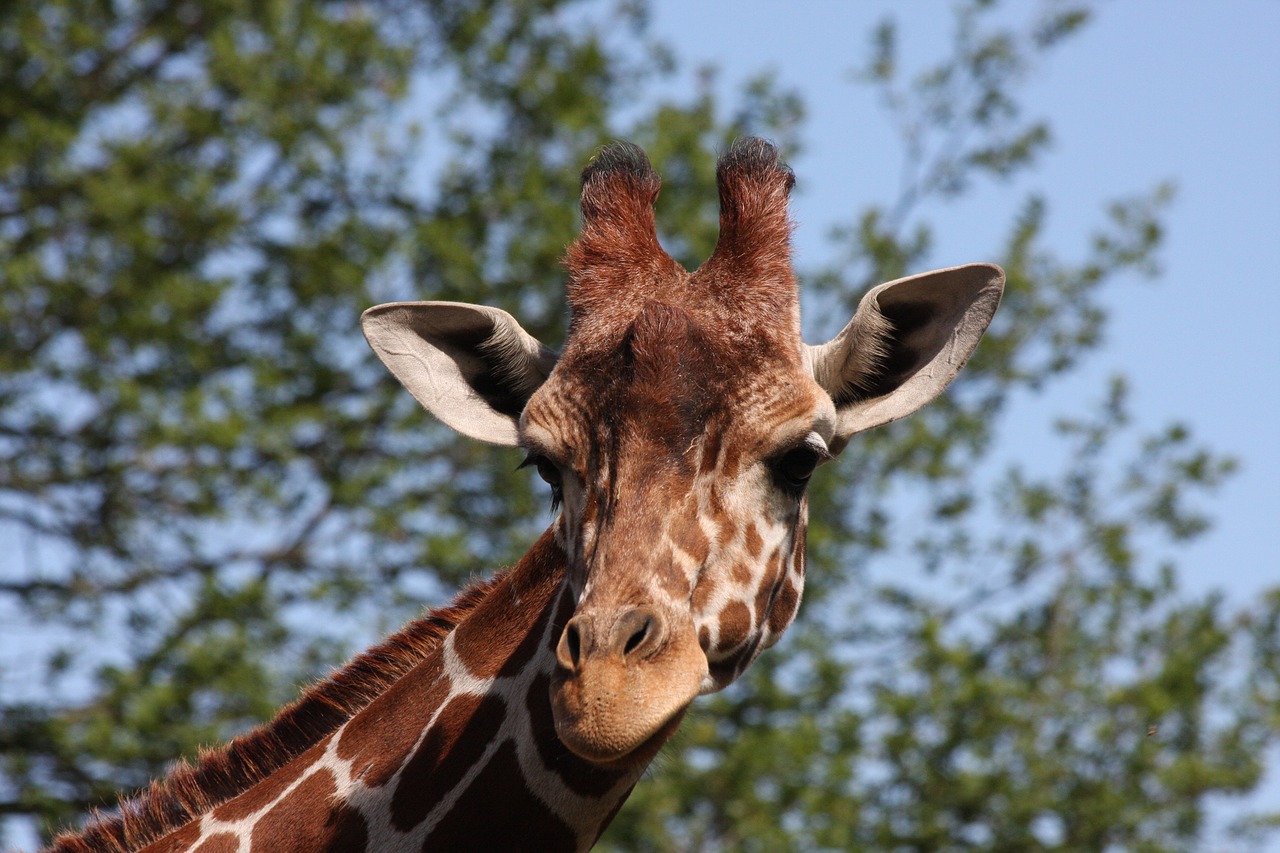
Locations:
(663, 381)
(654, 420)
(778, 410)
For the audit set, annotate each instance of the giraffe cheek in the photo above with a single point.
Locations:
(735, 626)
(784, 610)
(781, 609)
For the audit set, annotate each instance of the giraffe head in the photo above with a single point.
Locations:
(678, 429)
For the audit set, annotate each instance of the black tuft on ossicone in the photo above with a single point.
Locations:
(617, 251)
(755, 157)
(619, 178)
(620, 158)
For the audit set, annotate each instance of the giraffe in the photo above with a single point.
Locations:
(677, 430)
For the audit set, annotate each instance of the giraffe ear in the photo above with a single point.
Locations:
(906, 342)
(471, 366)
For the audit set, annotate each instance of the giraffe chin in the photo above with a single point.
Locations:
(610, 718)
(638, 756)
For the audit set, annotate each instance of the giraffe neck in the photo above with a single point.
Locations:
(459, 752)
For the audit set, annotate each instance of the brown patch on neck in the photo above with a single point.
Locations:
(222, 774)
(488, 826)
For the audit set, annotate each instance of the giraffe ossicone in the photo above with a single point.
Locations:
(678, 428)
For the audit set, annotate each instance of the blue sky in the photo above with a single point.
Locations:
(1149, 91)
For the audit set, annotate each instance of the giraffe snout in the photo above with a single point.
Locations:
(636, 634)
(624, 678)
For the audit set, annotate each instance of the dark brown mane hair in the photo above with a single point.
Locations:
(225, 772)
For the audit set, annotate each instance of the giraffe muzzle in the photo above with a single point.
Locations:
(636, 634)
(623, 682)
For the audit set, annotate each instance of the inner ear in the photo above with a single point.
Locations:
(471, 366)
(491, 362)
(916, 331)
(905, 343)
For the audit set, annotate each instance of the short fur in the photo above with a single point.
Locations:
(617, 265)
(617, 253)
(867, 349)
(751, 264)
(221, 774)
(657, 362)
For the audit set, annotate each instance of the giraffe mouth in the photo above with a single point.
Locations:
(612, 756)
(611, 713)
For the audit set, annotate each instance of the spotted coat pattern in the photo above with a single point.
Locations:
(678, 428)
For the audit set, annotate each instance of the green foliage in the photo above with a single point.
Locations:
(209, 491)
(988, 659)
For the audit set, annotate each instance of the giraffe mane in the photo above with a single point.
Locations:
(222, 773)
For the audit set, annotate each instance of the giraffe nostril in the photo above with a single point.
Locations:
(634, 636)
(638, 636)
(573, 643)
(569, 650)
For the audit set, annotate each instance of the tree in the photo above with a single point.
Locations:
(999, 656)
(210, 491)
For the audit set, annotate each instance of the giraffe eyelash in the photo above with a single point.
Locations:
(793, 467)
(550, 475)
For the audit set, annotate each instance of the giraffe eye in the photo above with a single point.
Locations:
(550, 475)
(793, 469)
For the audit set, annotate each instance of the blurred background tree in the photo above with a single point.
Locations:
(210, 492)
